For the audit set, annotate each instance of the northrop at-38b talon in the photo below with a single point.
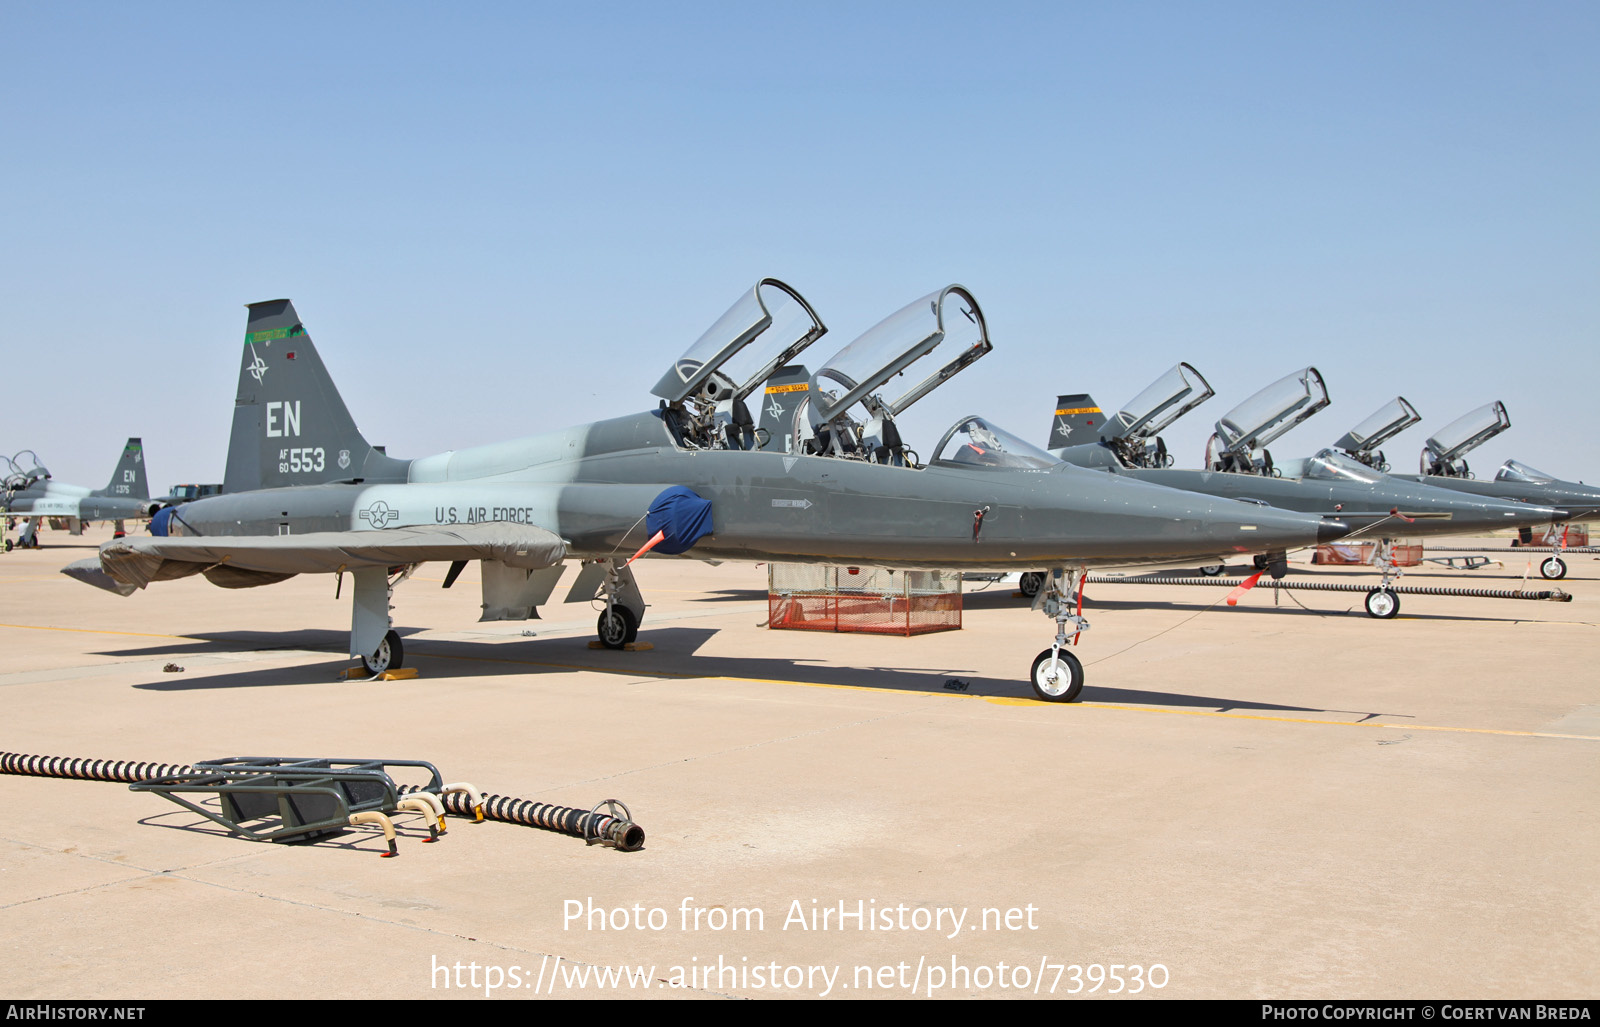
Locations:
(1330, 484)
(306, 493)
(30, 493)
(1444, 464)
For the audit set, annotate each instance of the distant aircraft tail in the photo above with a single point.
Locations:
(784, 391)
(128, 480)
(1078, 422)
(290, 426)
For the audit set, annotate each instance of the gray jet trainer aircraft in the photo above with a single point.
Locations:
(1444, 465)
(1329, 484)
(305, 492)
(31, 494)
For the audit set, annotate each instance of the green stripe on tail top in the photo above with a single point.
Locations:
(273, 333)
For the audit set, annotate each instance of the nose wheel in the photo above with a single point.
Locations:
(1057, 676)
(1553, 569)
(1382, 603)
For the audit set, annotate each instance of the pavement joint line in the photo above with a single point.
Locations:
(749, 745)
(90, 631)
(1339, 723)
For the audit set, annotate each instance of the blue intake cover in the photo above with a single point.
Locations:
(158, 523)
(682, 516)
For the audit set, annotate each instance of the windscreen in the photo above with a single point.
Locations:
(1332, 465)
(1516, 470)
(975, 442)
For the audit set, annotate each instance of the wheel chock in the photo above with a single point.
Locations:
(403, 674)
(630, 647)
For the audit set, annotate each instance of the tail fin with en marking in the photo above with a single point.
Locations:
(290, 426)
(128, 481)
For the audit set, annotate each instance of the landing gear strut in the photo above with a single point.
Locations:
(619, 621)
(1383, 602)
(1554, 568)
(1057, 675)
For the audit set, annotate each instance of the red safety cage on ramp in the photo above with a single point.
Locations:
(868, 600)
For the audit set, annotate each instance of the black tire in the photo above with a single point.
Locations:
(1553, 569)
(617, 627)
(1382, 603)
(8, 545)
(1213, 570)
(1060, 690)
(391, 655)
(1030, 583)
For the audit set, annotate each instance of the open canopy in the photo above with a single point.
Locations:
(773, 313)
(1466, 433)
(855, 373)
(975, 442)
(1382, 425)
(1273, 411)
(1168, 398)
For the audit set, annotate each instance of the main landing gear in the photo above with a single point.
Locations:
(1057, 675)
(373, 639)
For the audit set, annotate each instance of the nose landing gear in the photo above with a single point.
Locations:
(1057, 675)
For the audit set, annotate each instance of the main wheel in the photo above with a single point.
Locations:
(389, 656)
(1554, 568)
(617, 627)
(1030, 583)
(1382, 603)
(1058, 680)
(1213, 570)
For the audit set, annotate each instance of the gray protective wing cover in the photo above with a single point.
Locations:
(139, 561)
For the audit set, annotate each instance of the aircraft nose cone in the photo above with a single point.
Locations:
(1327, 531)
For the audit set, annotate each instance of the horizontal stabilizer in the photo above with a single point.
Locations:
(139, 561)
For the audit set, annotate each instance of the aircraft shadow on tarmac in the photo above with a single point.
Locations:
(1256, 602)
(675, 656)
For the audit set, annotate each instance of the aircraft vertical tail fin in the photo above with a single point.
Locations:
(290, 425)
(784, 391)
(1078, 421)
(128, 481)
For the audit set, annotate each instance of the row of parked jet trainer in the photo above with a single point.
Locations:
(823, 478)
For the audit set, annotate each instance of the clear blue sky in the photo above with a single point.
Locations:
(497, 219)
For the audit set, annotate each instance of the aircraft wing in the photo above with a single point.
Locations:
(126, 564)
